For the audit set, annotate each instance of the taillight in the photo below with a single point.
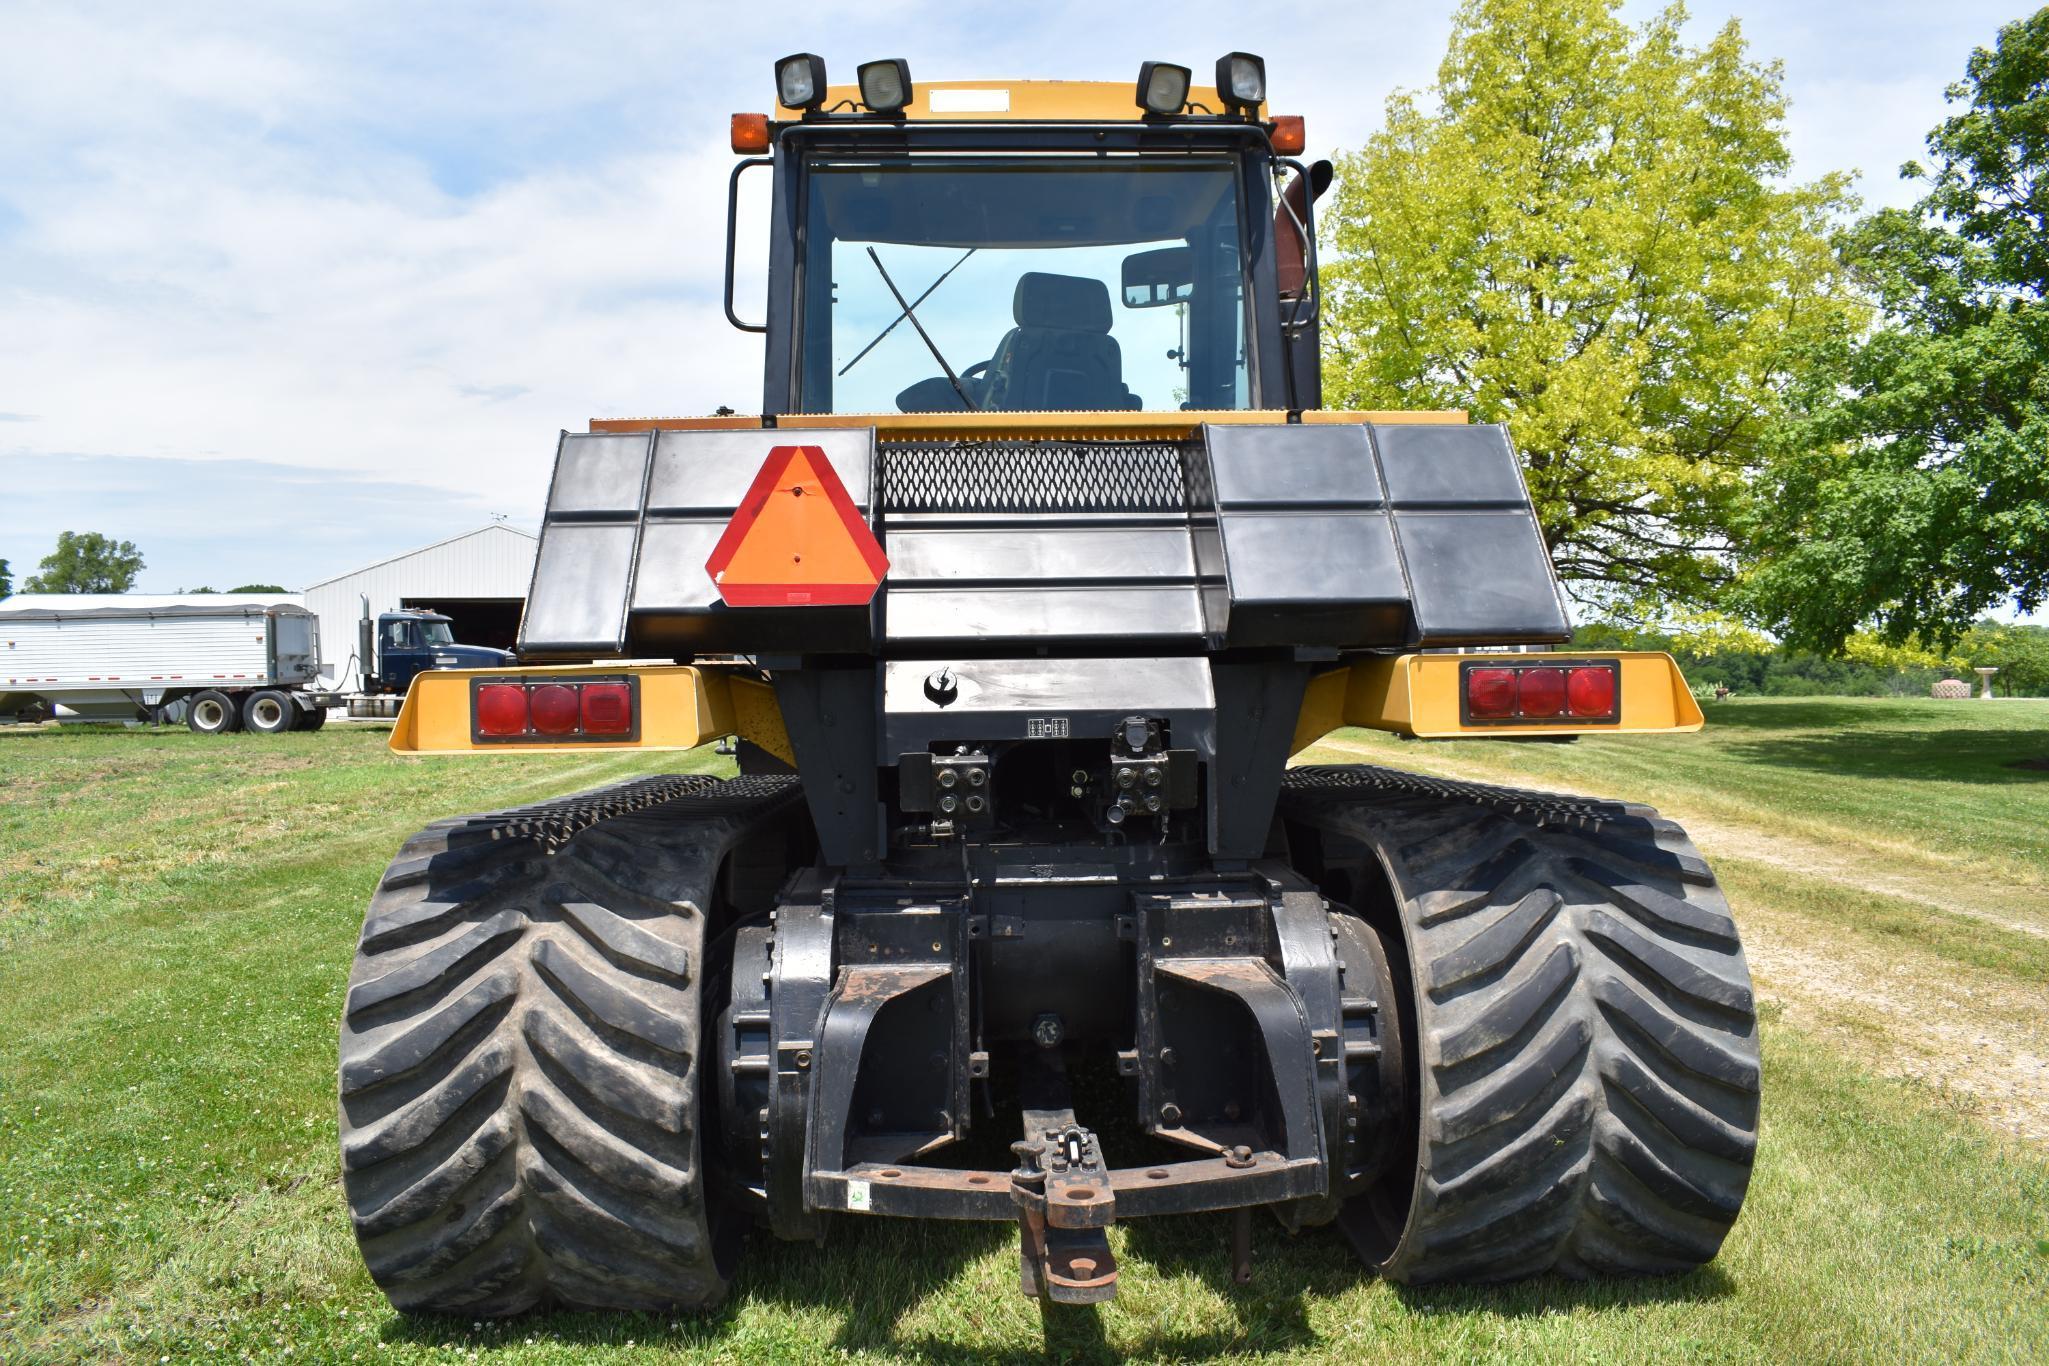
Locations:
(1490, 692)
(501, 709)
(607, 709)
(554, 709)
(544, 711)
(1553, 692)
(1591, 691)
(1541, 692)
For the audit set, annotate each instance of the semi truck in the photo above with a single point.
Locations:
(228, 661)
(1038, 568)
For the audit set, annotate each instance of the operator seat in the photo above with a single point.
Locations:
(1060, 356)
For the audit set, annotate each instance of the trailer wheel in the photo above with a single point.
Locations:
(269, 712)
(312, 718)
(213, 713)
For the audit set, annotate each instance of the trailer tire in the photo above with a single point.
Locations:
(212, 713)
(269, 712)
(312, 718)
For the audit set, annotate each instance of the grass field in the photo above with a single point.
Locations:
(177, 916)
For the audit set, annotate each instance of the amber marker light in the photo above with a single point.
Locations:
(750, 133)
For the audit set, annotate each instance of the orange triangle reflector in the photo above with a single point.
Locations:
(797, 540)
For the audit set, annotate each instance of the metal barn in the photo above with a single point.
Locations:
(479, 579)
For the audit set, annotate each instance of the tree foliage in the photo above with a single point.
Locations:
(6, 579)
(87, 562)
(1866, 666)
(1586, 231)
(1914, 485)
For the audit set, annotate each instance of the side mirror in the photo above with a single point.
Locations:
(1154, 279)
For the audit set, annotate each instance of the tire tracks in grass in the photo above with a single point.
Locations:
(1965, 1010)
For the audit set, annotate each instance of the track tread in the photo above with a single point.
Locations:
(1587, 1038)
(520, 1053)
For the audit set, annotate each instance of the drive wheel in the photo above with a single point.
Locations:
(311, 718)
(1583, 1054)
(521, 1062)
(269, 712)
(212, 713)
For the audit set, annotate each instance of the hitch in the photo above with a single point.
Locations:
(1065, 1204)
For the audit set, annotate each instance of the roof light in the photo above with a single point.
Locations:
(1241, 81)
(750, 133)
(1288, 136)
(1162, 87)
(886, 85)
(800, 81)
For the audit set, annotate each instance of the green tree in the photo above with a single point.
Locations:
(6, 579)
(258, 588)
(1586, 231)
(1914, 486)
(87, 562)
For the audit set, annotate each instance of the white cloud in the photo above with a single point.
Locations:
(407, 243)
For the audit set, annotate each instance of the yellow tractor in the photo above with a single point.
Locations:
(1038, 563)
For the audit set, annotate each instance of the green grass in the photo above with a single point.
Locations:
(1928, 783)
(176, 921)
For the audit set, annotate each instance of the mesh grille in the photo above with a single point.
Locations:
(993, 476)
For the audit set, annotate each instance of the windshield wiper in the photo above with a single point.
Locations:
(879, 336)
(951, 378)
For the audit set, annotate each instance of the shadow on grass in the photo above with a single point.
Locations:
(1950, 756)
(874, 1273)
(1874, 740)
(869, 1275)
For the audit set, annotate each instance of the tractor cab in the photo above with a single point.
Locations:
(1034, 246)
(411, 642)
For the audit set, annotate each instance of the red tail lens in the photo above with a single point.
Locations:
(533, 712)
(554, 709)
(607, 709)
(1542, 692)
(1490, 692)
(501, 709)
(1591, 691)
(1557, 693)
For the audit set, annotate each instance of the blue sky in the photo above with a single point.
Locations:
(286, 288)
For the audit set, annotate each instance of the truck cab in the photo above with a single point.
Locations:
(410, 643)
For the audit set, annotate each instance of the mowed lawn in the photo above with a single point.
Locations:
(177, 916)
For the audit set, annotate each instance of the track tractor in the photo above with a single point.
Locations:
(1039, 563)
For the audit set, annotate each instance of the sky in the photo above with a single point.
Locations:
(288, 288)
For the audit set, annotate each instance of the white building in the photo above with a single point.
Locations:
(479, 579)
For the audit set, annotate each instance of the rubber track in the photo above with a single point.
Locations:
(1587, 1040)
(520, 1053)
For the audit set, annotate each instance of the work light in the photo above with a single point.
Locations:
(1241, 81)
(886, 86)
(800, 81)
(1162, 87)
